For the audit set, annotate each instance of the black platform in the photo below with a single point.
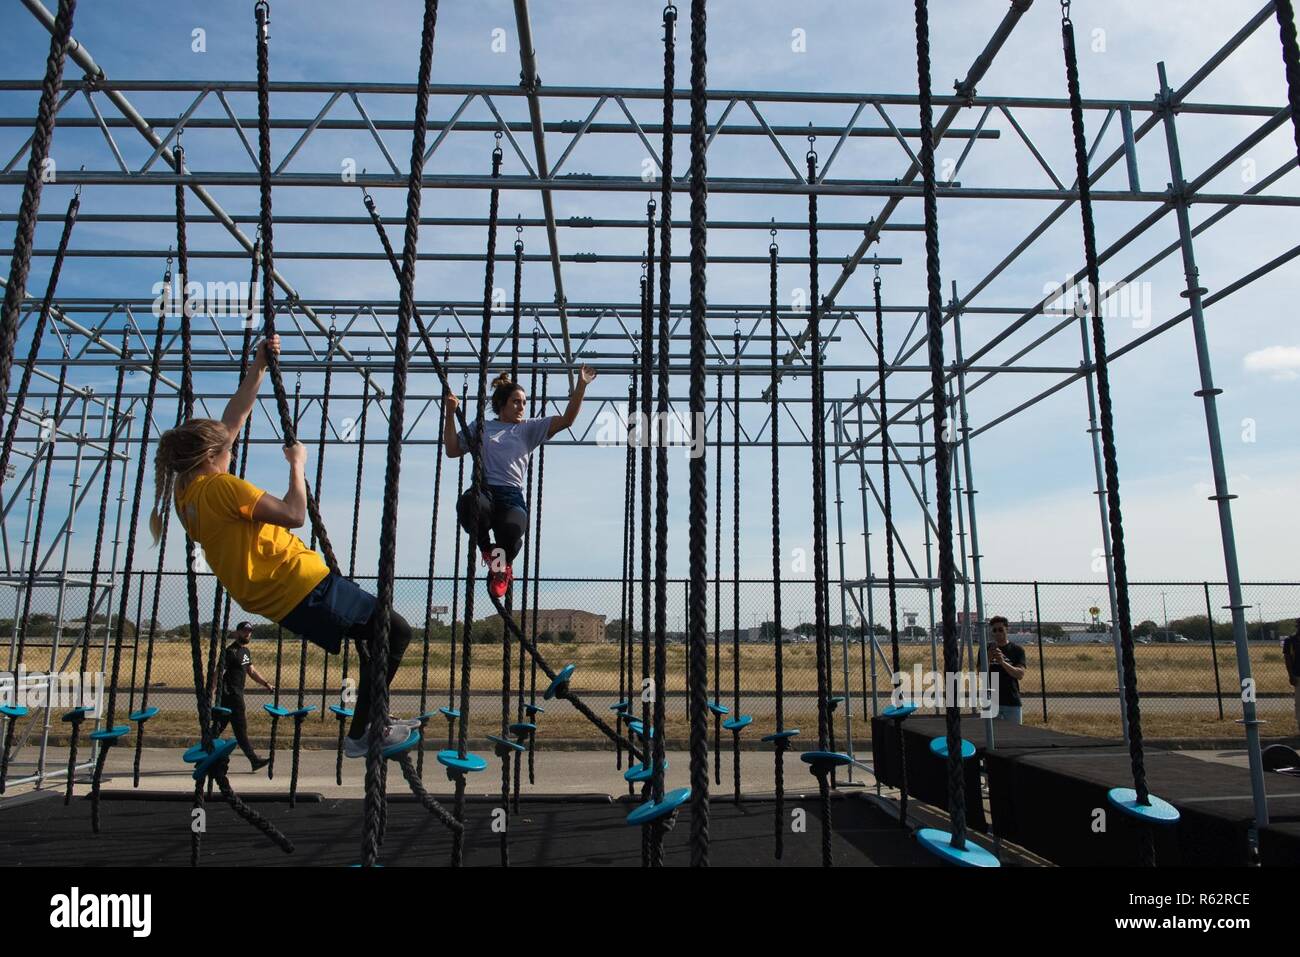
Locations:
(927, 775)
(146, 833)
(1047, 801)
(1279, 845)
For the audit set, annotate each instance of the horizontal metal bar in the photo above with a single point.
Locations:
(631, 93)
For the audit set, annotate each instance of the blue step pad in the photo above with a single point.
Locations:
(656, 810)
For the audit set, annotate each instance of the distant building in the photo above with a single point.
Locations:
(585, 626)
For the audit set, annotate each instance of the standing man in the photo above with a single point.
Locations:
(238, 663)
(1007, 662)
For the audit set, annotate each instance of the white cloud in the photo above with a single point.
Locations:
(1281, 362)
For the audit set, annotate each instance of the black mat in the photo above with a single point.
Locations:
(328, 834)
(927, 775)
(1279, 845)
(1047, 800)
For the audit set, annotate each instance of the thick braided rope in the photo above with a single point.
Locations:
(279, 630)
(165, 513)
(287, 426)
(426, 800)
(29, 206)
(38, 334)
(455, 603)
(505, 716)
(735, 562)
(625, 573)
(514, 328)
(529, 573)
(320, 476)
(475, 437)
(239, 455)
(717, 593)
(397, 401)
(187, 412)
(428, 590)
(537, 572)
(942, 445)
(890, 574)
(1291, 60)
(647, 354)
(661, 451)
(128, 562)
(92, 603)
(629, 573)
(1106, 415)
(779, 807)
(819, 507)
(248, 814)
(48, 453)
(24, 383)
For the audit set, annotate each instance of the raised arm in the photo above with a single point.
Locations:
(450, 438)
(290, 511)
(561, 422)
(241, 403)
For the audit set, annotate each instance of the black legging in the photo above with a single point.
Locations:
(399, 636)
(498, 521)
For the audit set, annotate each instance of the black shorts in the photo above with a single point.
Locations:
(331, 610)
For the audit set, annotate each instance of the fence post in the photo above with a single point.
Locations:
(1042, 673)
(1214, 653)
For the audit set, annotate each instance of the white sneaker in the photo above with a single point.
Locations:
(394, 734)
(404, 722)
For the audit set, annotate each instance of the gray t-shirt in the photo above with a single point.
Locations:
(506, 447)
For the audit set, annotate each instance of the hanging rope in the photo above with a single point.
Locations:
(455, 597)
(780, 741)
(717, 595)
(475, 438)
(28, 207)
(1106, 414)
(110, 711)
(11, 430)
(289, 432)
(48, 453)
(1291, 61)
(890, 574)
(625, 573)
(514, 326)
(38, 333)
(735, 562)
(819, 514)
(428, 591)
(352, 571)
(942, 445)
(520, 710)
(531, 644)
(239, 454)
(648, 358)
(661, 451)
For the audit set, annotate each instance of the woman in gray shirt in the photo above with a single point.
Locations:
(507, 442)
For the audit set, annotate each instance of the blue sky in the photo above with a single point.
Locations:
(1037, 514)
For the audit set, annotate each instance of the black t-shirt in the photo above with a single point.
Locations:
(1008, 687)
(238, 659)
(1291, 655)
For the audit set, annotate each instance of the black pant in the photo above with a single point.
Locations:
(503, 520)
(399, 636)
(238, 720)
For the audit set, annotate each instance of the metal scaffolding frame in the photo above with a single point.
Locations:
(602, 332)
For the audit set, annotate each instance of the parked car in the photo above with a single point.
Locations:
(1169, 637)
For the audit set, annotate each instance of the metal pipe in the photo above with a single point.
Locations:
(1222, 497)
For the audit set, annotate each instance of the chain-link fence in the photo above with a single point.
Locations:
(1186, 657)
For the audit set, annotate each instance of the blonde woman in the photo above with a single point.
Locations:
(246, 540)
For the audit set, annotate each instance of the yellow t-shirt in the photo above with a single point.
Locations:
(266, 568)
